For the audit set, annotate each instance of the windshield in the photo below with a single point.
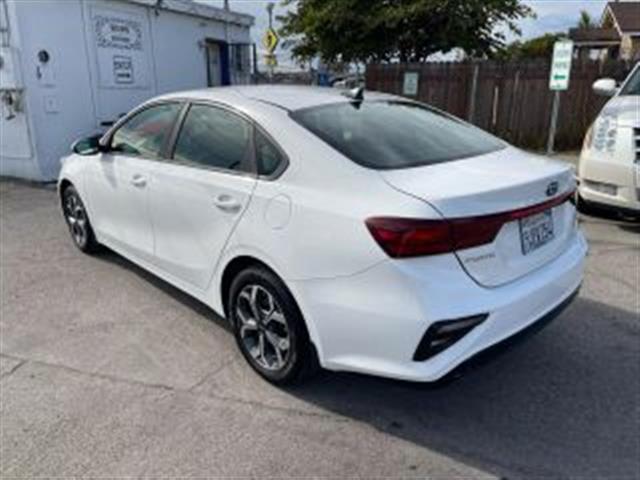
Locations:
(632, 86)
(390, 135)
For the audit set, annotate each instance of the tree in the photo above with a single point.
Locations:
(406, 30)
(539, 47)
(585, 22)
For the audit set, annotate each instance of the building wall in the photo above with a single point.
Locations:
(89, 80)
(174, 37)
(57, 93)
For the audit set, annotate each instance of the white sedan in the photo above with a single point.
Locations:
(356, 232)
(609, 167)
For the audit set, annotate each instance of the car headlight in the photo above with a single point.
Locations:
(605, 131)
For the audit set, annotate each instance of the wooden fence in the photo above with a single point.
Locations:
(511, 100)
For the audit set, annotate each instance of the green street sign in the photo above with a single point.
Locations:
(561, 65)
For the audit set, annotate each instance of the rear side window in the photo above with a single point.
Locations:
(268, 157)
(391, 135)
(145, 134)
(214, 138)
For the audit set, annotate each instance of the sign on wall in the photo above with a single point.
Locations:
(410, 85)
(121, 45)
(561, 65)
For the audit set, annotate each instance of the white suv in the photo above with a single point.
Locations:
(609, 169)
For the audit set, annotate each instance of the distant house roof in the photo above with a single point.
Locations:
(594, 36)
(626, 16)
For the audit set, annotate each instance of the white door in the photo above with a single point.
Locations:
(120, 50)
(198, 196)
(119, 180)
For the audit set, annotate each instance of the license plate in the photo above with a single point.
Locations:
(536, 231)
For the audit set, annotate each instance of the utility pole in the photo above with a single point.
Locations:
(226, 43)
(270, 7)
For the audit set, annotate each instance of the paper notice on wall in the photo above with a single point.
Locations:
(122, 49)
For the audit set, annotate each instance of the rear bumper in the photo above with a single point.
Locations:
(613, 207)
(520, 336)
(372, 322)
(626, 199)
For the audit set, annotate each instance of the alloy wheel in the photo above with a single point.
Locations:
(76, 218)
(263, 328)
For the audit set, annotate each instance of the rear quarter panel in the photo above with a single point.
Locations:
(311, 220)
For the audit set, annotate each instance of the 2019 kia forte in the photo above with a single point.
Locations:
(361, 232)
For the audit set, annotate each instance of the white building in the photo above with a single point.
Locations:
(68, 68)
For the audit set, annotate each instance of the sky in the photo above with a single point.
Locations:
(552, 16)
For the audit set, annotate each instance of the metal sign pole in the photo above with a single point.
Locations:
(554, 123)
(270, 7)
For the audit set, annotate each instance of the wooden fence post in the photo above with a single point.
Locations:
(514, 96)
(474, 88)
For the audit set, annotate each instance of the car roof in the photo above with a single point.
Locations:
(287, 97)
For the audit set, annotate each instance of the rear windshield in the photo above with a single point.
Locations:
(391, 135)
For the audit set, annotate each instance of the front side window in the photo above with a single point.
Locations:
(145, 134)
(389, 135)
(268, 157)
(215, 138)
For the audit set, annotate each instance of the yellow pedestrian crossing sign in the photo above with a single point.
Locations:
(270, 40)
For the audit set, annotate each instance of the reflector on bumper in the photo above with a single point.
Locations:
(441, 335)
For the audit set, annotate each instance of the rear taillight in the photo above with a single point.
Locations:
(407, 237)
(411, 237)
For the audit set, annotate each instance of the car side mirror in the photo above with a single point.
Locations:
(88, 146)
(606, 87)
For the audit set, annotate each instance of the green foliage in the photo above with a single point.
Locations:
(539, 47)
(407, 30)
(586, 22)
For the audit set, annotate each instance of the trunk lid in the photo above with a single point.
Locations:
(496, 183)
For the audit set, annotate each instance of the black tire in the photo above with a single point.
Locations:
(300, 361)
(77, 218)
(582, 206)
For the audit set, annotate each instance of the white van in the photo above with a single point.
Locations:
(609, 168)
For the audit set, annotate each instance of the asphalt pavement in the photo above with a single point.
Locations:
(107, 371)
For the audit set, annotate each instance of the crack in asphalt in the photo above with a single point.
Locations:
(14, 368)
(211, 375)
(614, 279)
(22, 261)
(169, 388)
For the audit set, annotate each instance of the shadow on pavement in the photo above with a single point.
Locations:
(565, 403)
(198, 307)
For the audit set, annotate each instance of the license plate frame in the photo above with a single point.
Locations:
(536, 231)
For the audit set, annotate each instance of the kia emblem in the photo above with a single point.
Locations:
(552, 189)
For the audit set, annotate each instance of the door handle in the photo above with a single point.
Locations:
(138, 181)
(227, 203)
